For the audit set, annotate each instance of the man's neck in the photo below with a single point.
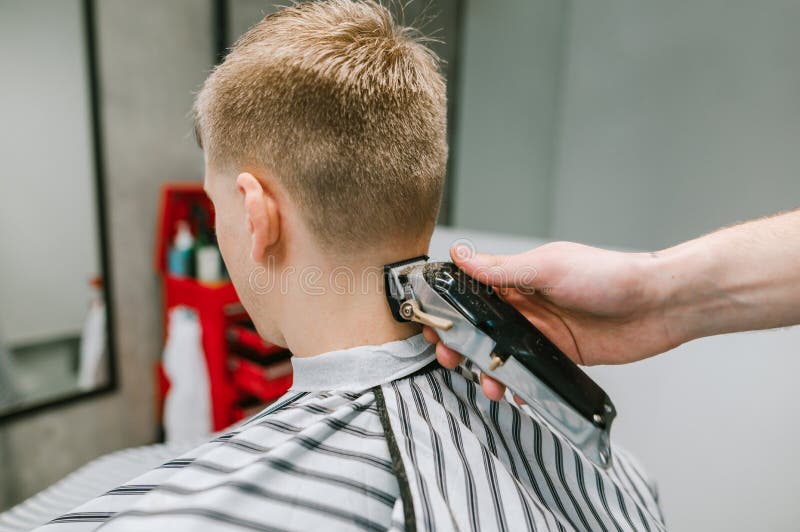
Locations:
(341, 315)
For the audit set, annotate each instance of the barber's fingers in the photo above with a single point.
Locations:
(450, 359)
(447, 357)
(496, 270)
(492, 389)
(430, 335)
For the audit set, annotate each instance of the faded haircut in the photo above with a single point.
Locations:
(346, 108)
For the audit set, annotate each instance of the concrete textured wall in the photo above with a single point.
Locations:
(153, 55)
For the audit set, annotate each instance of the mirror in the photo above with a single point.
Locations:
(54, 336)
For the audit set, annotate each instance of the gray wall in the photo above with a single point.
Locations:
(626, 123)
(153, 55)
(242, 14)
(506, 121)
(677, 117)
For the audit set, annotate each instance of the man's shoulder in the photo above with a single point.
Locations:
(310, 453)
(453, 437)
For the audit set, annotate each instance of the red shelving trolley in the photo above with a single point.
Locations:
(243, 370)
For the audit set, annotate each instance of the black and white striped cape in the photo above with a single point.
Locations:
(420, 450)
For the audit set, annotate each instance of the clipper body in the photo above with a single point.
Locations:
(471, 319)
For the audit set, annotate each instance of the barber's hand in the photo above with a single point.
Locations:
(597, 306)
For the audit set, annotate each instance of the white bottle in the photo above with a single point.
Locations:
(208, 264)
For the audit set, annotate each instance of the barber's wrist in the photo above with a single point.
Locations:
(692, 304)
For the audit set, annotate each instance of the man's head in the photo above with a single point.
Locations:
(324, 134)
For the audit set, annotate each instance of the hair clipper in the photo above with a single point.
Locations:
(472, 319)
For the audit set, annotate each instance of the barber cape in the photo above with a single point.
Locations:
(381, 438)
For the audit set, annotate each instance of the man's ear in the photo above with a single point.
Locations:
(261, 210)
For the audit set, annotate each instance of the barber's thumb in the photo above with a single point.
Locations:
(495, 270)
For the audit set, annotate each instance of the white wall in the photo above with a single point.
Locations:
(714, 424)
(48, 230)
(711, 421)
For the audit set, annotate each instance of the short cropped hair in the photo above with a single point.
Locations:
(346, 108)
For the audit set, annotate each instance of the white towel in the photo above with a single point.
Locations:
(93, 368)
(187, 408)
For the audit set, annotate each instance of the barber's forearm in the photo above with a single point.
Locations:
(744, 277)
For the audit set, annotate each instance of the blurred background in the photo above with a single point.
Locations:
(620, 123)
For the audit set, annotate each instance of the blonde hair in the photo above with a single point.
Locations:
(346, 108)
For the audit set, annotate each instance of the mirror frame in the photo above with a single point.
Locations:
(98, 163)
